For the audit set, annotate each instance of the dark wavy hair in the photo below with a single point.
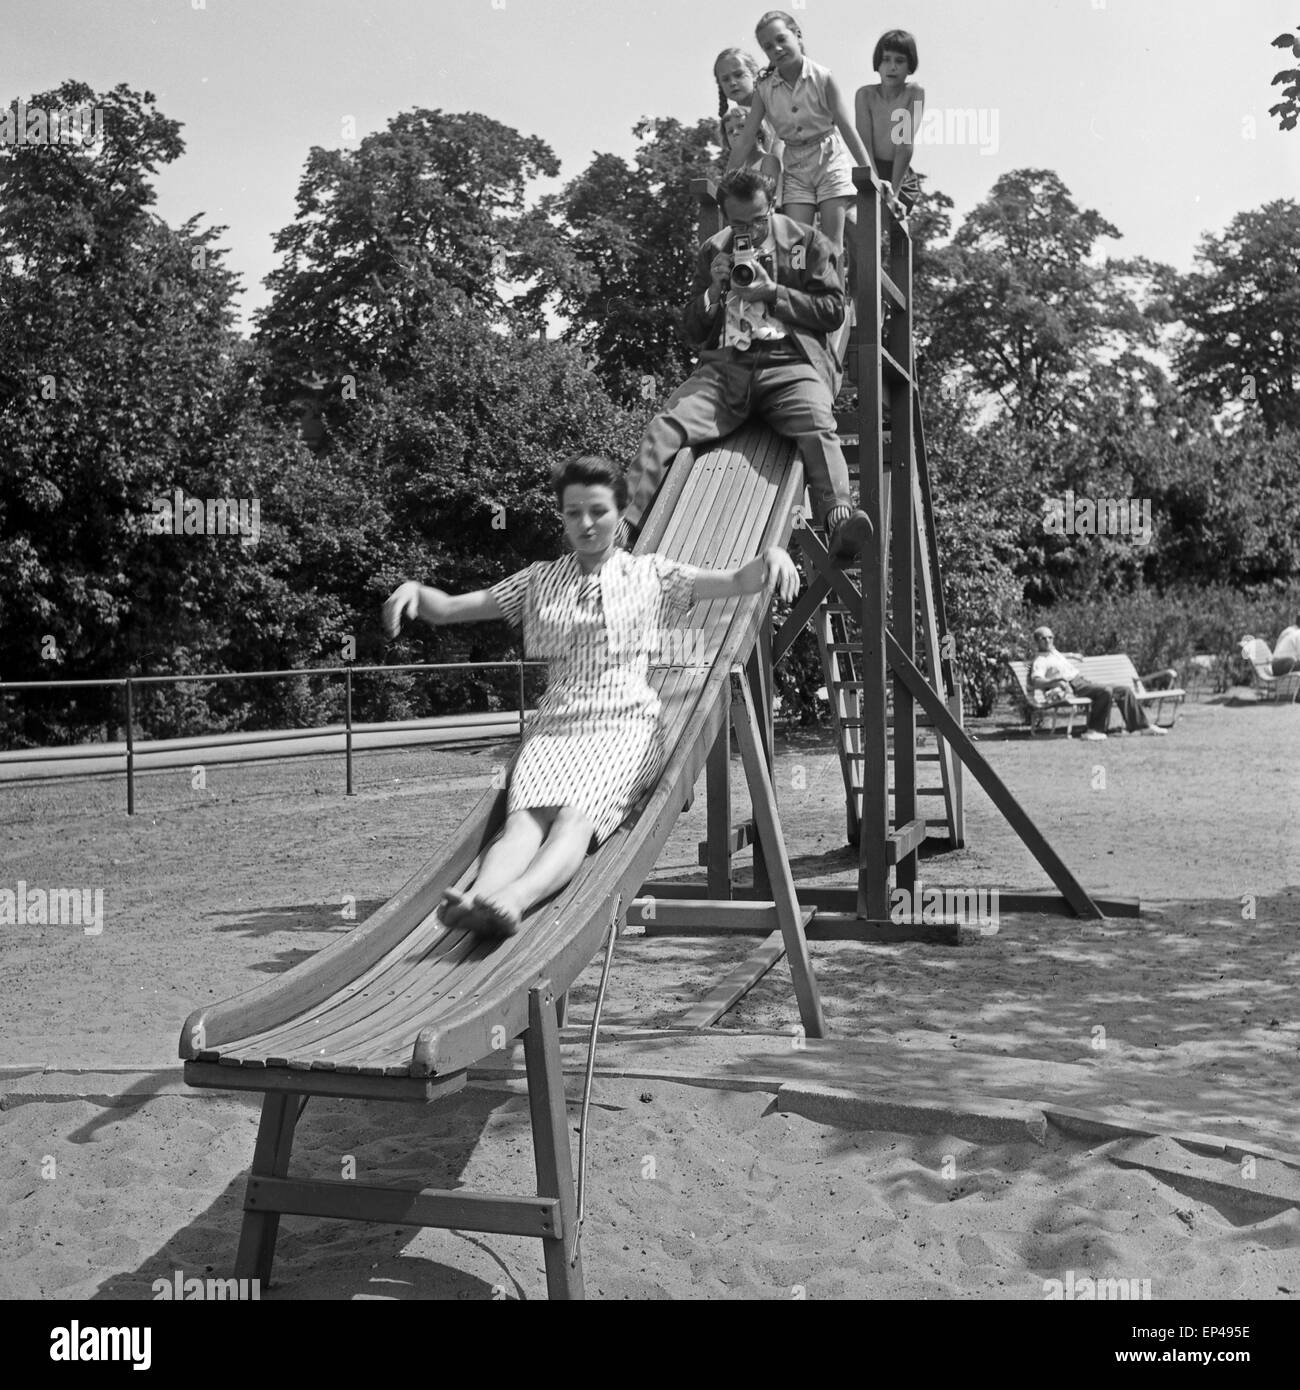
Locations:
(896, 41)
(742, 185)
(590, 470)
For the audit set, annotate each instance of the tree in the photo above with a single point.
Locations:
(417, 224)
(1242, 311)
(1287, 110)
(122, 380)
(1020, 312)
(977, 486)
(632, 234)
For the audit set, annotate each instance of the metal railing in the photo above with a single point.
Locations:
(129, 684)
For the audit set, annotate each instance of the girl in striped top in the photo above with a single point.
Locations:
(594, 746)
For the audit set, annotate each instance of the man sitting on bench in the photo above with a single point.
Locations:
(1052, 668)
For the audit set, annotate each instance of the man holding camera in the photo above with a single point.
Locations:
(766, 294)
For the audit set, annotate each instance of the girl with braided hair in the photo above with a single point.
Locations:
(735, 73)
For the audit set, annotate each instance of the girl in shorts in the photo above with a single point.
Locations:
(810, 115)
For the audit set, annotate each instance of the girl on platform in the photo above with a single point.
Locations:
(594, 746)
(736, 73)
(806, 108)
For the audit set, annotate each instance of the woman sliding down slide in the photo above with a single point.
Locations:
(595, 745)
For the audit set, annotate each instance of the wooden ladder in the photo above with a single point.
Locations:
(839, 643)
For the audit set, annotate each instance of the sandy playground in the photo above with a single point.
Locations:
(115, 1175)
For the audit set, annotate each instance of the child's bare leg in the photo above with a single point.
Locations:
(555, 863)
(832, 211)
(801, 212)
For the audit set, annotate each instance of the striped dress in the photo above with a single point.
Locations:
(595, 741)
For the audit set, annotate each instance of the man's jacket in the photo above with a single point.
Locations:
(809, 297)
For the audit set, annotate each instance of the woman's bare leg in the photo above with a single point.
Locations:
(801, 212)
(513, 850)
(502, 902)
(505, 859)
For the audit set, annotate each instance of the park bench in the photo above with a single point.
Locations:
(1156, 693)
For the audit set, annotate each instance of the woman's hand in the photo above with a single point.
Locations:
(403, 602)
(780, 569)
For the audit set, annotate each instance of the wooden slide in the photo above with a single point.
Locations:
(403, 1005)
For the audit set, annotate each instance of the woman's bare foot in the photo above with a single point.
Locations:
(457, 907)
(497, 914)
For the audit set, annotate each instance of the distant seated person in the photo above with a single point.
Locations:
(765, 295)
(1286, 650)
(1056, 676)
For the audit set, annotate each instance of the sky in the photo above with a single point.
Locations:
(1153, 112)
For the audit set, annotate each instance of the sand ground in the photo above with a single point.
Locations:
(106, 1185)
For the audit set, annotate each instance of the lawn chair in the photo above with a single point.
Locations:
(1285, 689)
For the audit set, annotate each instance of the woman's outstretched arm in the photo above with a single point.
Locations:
(413, 600)
(750, 578)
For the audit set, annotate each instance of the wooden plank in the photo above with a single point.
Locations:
(905, 841)
(703, 917)
(763, 800)
(734, 985)
(716, 851)
(803, 612)
(758, 671)
(894, 370)
(552, 1158)
(845, 926)
(257, 1233)
(341, 1083)
(831, 898)
(397, 1206)
(903, 567)
(736, 839)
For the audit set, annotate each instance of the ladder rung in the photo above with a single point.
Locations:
(891, 291)
(893, 367)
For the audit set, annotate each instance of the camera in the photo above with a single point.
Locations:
(744, 259)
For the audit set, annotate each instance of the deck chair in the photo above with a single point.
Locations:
(1285, 689)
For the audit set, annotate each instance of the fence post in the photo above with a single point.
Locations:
(348, 716)
(130, 751)
(520, 664)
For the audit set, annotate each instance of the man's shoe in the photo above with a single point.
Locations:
(1093, 736)
(847, 539)
(1155, 729)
